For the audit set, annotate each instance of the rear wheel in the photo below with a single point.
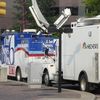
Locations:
(18, 75)
(84, 83)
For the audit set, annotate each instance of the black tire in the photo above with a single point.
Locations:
(18, 75)
(46, 79)
(84, 85)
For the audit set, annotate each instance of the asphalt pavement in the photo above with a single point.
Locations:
(13, 90)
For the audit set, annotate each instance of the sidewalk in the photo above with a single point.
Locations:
(13, 90)
(66, 94)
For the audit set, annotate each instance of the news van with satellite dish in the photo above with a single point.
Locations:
(80, 48)
(18, 49)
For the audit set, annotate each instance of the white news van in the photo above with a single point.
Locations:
(81, 52)
(19, 49)
(80, 48)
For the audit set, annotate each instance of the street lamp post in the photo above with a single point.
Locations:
(60, 60)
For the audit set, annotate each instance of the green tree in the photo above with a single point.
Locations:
(46, 7)
(24, 17)
(93, 7)
(22, 14)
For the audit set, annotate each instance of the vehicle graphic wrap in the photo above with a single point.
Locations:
(32, 45)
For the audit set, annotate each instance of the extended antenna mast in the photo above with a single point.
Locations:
(44, 25)
(66, 13)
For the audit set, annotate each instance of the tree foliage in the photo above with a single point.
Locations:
(93, 7)
(46, 9)
(22, 13)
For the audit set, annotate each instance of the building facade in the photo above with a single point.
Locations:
(7, 20)
(76, 7)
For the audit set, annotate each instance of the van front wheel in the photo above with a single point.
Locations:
(18, 75)
(46, 79)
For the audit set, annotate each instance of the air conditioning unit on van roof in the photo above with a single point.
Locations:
(30, 30)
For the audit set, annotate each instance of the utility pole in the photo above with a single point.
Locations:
(23, 22)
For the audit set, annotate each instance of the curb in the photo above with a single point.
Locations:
(85, 95)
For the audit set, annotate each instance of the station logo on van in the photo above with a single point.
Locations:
(89, 46)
